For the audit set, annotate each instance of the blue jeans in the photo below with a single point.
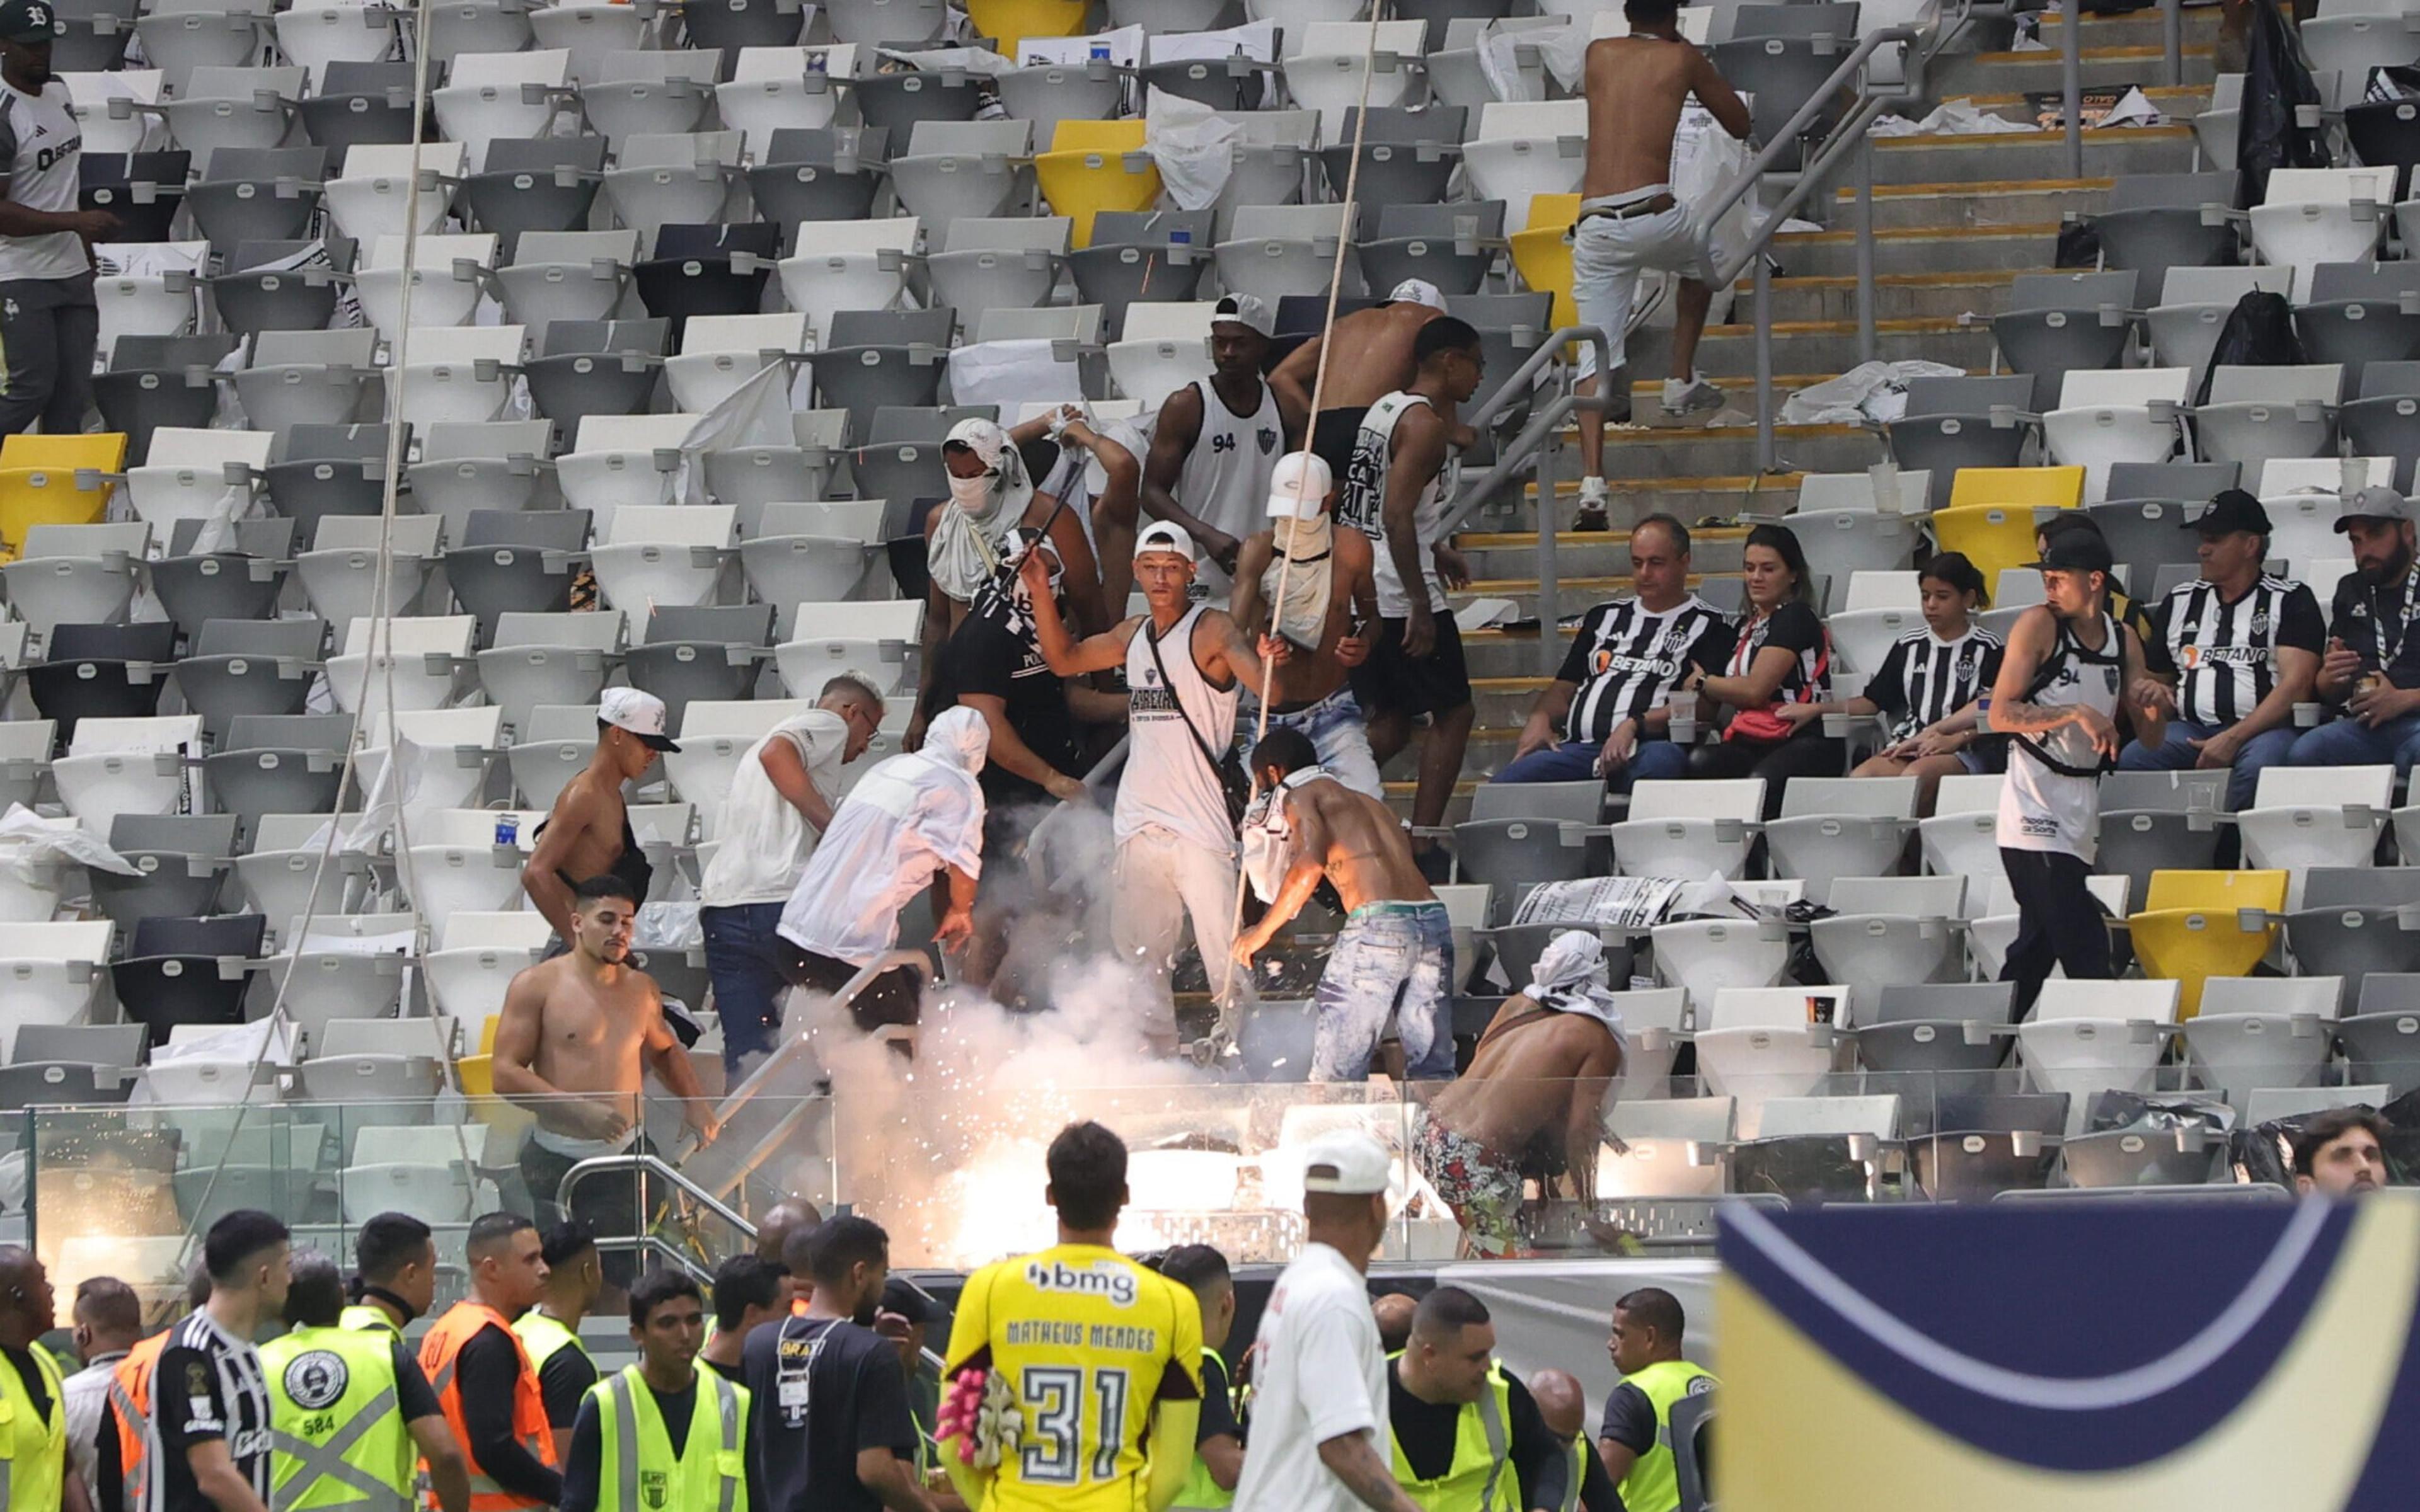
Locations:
(1339, 735)
(748, 985)
(1391, 959)
(2348, 742)
(2267, 748)
(1575, 760)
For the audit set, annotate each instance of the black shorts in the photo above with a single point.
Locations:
(894, 997)
(1392, 683)
(1333, 437)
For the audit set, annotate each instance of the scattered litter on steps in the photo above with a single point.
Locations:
(1868, 392)
(1952, 117)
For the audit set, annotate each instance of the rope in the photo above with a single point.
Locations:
(1311, 422)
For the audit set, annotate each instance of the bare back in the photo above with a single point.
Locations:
(586, 823)
(1524, 1080)
(1368, 855)
(1373, 355)
(1637, 86)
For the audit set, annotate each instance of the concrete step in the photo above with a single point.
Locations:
(2027, 204)
(1643, 452)
(1922, 250)
(2031, 155)
(1688, 500)
(1831, 347)
(1502, 555)
(1897, 296)
(2018, 73)
(2177, 103)
(2140, 28)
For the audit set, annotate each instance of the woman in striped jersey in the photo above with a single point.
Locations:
(1929, 681)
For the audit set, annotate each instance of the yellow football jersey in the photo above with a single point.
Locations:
(1090, 1342)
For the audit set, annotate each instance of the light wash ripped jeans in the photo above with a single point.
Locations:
(1338, 734)
(1392, 961)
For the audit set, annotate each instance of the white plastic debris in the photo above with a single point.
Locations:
(1870, 392)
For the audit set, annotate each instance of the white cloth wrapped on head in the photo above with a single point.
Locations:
(1269, 835)
(965, 548)
(1569, 977)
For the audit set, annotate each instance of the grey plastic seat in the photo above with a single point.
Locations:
(1048, 93)
(727, 25)
(2385, 420)
(1152, 255)
(1517, 948)
(897, 103)
(1511, 326)
(1511, 855)
(1005, 264)
(329, 469)
(81, 573)
(2254, 415)
(1989, 1142)
(958, 168)
(1931, 1038)
(101, 672)
(655, 92)
(2351, 923)
(2057, 323)
(823, 173)
(1277, 249)
(548, 658)
(567, 275)
(887, 22)
(182, 862)
(360, 104)
(188, 971)
(2138, 1157)
(307, 378)
(706, 270)
(711, 652)
(258, 193)
(465, 466)
(1949, 424)
(1751, 23)
(1450, 245)
(2146, 824)
(1406, 156)
(340, 567)
(750, 477)
(597, 367)
(2171, 480)
(2146, 533)
(239, 667)
(1225, 84)
(2156, 222)
(882, 357)
(2382, 1040)
(547, 184)
(1784, 73)
(278, 763)
(2353, 315)
(2191, 306)
(115, 1046)
(241, 583)
(259, 292)
(516, 559)
(161, 380)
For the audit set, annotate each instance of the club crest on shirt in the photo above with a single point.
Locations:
(1267, 436)
(2260, 623)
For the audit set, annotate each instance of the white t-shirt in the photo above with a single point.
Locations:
(1317, 1374)
(764, 841)
(903, 821)
(41, 149)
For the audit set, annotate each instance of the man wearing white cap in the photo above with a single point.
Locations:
(1319, 1377)
(587, 833)
(1185, 665)
(2370, 670)
(1372, 357)
(1542, 1067)
(1217, 442)
(1327, 578)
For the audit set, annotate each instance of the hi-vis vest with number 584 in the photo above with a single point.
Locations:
(337, 1440)
(636, 1467)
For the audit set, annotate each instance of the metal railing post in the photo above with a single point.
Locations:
(1866, 296)
(1549, 571)
(1763, 308)
(2172, 37)
(2070, 82)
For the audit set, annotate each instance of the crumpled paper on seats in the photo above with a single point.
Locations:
(1870, 392)
(27, 840)
(1952, 117)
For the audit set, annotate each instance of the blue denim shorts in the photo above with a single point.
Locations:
(1392, 962)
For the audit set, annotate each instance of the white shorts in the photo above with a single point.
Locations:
(1608, 254)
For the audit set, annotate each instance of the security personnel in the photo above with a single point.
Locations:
(394, 1262)
(1564, 1408)
(129, 1404)
(661, 1435)
(1463, 1435)
(1636, 1442)
(575, 1278)
(1218, 1438)
(33, 1393)
(346, 1407)
(486, 1386)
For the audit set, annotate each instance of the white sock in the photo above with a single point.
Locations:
(1592, 490)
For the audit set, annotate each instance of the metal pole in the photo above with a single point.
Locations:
(1764, 446)
(2070, 82)
(2172, 35)
(1549, 573)
(1865, 340)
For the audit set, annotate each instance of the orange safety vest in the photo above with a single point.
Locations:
(129, 1404)
(438, 1351)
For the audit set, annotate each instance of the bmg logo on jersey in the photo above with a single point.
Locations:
(1106, 1279)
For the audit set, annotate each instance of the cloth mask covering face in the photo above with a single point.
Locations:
(1309, 581)
(967, 538)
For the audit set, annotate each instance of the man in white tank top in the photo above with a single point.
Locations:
(1218, 443)
(1185, 665)
(49, 323)
(2067, 670)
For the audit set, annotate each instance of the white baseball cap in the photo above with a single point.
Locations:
(1417, 291)
(1164, 535)
(641, 714)
(1245, 310)
(1298, 486)
(1346, 1163)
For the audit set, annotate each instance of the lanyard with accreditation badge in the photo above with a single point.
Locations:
(2388, 656)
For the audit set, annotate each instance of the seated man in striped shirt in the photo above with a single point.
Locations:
(2246, 648)
(1603, 714)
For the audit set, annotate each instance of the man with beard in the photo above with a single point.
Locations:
(1329, 580)
(1216, 445)
(2371, 667)
(48, 322)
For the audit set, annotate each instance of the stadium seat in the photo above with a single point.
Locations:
(698, 652)
(1817, 1148)
(859, 264)
(372, 197)
(478, 465)
(241, 582)
(868, 359)
(783, 89)
(622, 460)
(987, 265)
(516, 560)
(813, 551)
(547, 658)
(1165, 348)
(1993, 512)
(654, 556)
(555, 742)
(549, 184)
(340, 966)
(2316, 817)
(184, 972)
(955, 169)
(447, 753)
(278, 763)
(1451, 246)
(2055, 323)
(1524, 149)
(259, 194)
(1334, 66)
(1832, 827)
(2088, 1037)
(1076, 89)
(406, 662)
(53, 971)
(751, 477)
(487, 95)
(457, 374)
(1961, 838)
(386, 1069)
(2158, 221)
(355, 103)
(75, 573)
(2194, 305)
(656, 92)
(1927, 1039)
(1755, 1045)
(315, 34)
(2256, 1032)
(1841, 543)
(2159, 821)
(2107, 417)
(827, 639)
(1704, 956)
(89, 93)
(1093, 166)
(1954, 423)
(2199, 924)
(238, 666)
(327, 471)
(2321, 215)
(596, 369)
(477, 956)
(1406, 158)
(1673, 1148)
(341, 571)
(1890, 932)
(2384, 419)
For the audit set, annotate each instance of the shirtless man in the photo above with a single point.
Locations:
(1629, 220)
(1210, 465)
(1373, 358)
(575, 1042)
(1332, 613)
(1393, 961)
(1543, 1066)
(587, 833)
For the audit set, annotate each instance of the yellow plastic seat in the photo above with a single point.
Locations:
(1543, 254)
(1990, 516)
(478, 1075)
(1093, 166)
(2192, 928)
(39, 482)
(1011, 22)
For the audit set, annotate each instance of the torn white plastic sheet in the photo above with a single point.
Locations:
(1707, 163)
(757, 413)
(667, 926)
(2133, 109)
(1122, 48)
(1952, 117)
(1007, 373)
(1193, 145)
(1870, 392)
(1563, 51)
(148, 259)
(30, 845)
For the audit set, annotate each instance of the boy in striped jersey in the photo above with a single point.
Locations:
(2246, 648)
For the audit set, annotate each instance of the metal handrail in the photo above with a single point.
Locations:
(645, 1163)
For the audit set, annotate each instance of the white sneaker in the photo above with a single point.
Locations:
(1592, 493)
(1691, 397)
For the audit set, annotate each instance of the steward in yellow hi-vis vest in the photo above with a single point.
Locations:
(336, 1427)
(1636, 1441)
(665, 1435)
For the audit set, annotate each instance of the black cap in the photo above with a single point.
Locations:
(27, 21)
(904, 1297)
(2232, 510)
(2077, 551)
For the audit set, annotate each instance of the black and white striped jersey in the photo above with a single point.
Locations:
(2225, 653)
(1924, 679)
(207, 1385)
(1627, 658)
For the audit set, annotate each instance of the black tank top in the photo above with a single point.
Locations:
(631, 867)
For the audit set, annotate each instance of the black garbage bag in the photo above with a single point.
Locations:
(2079, 244)
(2259, 333)
(2269, 133)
